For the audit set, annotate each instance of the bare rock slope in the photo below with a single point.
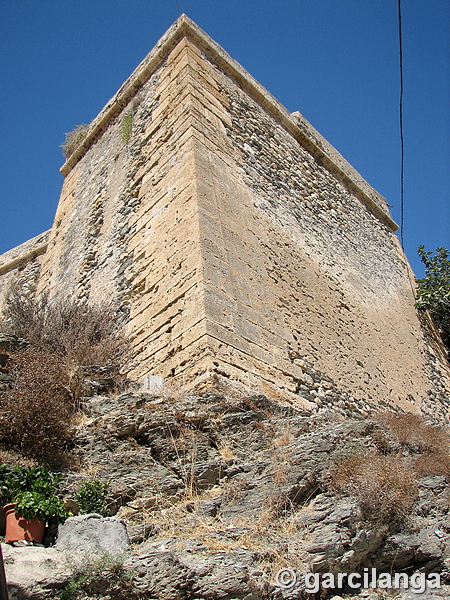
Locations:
(221, 490)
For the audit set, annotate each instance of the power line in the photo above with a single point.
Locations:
(402, 169)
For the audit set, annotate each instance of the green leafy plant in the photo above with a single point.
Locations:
(74, 588)
(433, 290)
(34, 492)
(74, 138)
(92, 495)
(126, 127)
(33, 504)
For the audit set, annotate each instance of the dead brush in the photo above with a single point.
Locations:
(385, 486)
(414, 433)
(428, 444)
(79, 334)
(11, 457)
(433, 464)
(36, 413)
(65, 337)
(273, 512)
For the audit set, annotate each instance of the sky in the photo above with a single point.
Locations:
(335, 61)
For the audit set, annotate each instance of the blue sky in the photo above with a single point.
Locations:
(336, 61)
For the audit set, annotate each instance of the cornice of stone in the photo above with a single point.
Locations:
(23, 259)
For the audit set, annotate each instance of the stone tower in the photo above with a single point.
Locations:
(239, 242)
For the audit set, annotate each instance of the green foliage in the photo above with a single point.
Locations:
(74, 588)
(74, 138)
(29, 479)
(433, 292)
(105, 571)
(32, 504)
(126, 127)
(33, 490)
(92, 497)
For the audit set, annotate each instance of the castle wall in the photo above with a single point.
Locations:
(237, 242)
(20, 267)
(306, 288)
(126, 228)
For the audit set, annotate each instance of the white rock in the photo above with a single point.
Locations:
(31, 570)
(91, 533)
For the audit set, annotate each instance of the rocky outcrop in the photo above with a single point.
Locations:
(32, 572)
(218, 492)
(92, 533)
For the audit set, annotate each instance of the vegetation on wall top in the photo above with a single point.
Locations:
(126, 127)
(74, 138)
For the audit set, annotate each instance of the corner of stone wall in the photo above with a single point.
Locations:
(21, 266)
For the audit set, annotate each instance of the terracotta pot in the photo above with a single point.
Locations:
(18, 528)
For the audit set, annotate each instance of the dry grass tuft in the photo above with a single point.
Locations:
(428, 443)
(73, 139)
(385, 486)
(285, 439)
(226, 451)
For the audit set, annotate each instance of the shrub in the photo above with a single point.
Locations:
(83, 334)
(91, 497)
(433, 464)
(65, 337)
(414, 433)
(74, 138)
(33, 491)
(35, 414)
(429, 443)
(433, 291)
(383, 485)
(92, 573)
